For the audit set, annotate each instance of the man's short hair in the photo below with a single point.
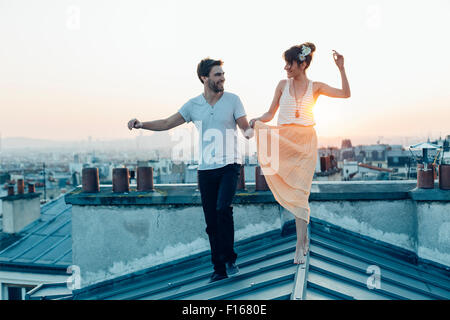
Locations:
(205, 66)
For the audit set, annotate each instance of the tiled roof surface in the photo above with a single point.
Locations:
(46, 242)
(338, 268)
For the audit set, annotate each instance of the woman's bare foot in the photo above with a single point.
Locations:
(299, 256)
(302, 246)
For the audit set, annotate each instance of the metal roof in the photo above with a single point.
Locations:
(337, 268)
(45, 243)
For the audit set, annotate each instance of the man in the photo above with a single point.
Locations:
(215, 114)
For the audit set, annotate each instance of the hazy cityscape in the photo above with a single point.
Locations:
(55, 167)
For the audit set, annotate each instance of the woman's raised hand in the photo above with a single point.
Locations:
(338, 59)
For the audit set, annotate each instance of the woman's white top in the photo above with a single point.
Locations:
(288, 107)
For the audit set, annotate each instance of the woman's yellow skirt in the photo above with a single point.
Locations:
(287, 155)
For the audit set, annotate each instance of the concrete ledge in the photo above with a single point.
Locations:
(189, 194)
(20, 196)
(435, 194)
(182, 195)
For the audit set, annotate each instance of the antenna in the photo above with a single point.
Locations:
(45, 184)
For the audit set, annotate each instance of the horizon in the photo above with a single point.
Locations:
(94, 66)
(324, 142)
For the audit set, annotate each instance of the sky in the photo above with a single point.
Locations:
(80, 68)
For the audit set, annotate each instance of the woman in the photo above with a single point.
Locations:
(290, 182)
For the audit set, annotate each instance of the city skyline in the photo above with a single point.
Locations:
(75, 69)
(158, 140)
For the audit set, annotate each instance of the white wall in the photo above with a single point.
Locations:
(109, 241)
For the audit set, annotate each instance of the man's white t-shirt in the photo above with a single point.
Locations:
(217, 127)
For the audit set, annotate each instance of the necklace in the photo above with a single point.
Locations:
(297, 114)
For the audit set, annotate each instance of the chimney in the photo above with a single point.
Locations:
(325, 163)
(121, 180)
(260, 180)
(90, 180)
(425, 176)
(145, 179)
(10, 190)
(19, 210)
(20, 186)
(31, 188)
(444, 176)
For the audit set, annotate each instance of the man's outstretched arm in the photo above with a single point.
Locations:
(158, 125)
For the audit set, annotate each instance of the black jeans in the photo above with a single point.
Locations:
(217, 189)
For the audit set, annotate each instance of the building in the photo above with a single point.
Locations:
(38, 248)
(346, 144)
(369, 240)
(372, 154)
(190, 173)
(327, 168)
(347, 152)
(400, 160)
(349, 170)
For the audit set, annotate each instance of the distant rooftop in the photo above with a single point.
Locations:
(45, 244)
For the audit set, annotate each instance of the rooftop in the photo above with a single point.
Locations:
(44, 245)
(358, 230)
(340, 266)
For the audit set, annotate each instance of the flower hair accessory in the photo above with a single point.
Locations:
(305, 51)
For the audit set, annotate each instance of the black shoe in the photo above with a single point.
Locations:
(217, 276)
(232, 268)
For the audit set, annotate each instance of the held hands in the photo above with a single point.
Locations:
(338, 59)
(134, 123)
(252, 122)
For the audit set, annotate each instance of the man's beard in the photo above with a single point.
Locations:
(214, 87)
